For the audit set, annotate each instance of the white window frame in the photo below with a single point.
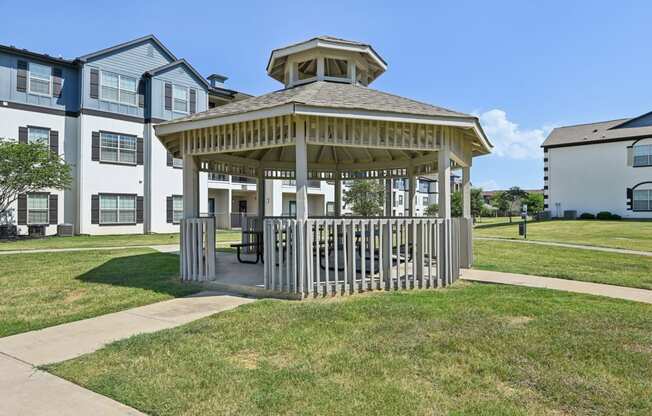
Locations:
(176, 212)
(31, 128)
(649, 200)
(174, 110)
(649, 154)
(29, 78)
(118, 101)
(117, 209)
(119, 148)
(46, 209)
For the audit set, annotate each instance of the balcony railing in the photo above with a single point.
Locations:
(311, 184)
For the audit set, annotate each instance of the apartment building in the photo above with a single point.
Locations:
(603, 166)
(97, 111)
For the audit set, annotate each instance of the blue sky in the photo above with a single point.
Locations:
(522, 66)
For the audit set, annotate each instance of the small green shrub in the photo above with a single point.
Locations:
(616, 217)
(587, 216)
(606, 215)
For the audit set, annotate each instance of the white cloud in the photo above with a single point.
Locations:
(508, 139)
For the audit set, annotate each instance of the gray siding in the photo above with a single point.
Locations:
(69, 100)
(643, 121)
(132, 62)
(178, 75)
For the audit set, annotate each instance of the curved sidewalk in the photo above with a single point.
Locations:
(26, 390)
(598, 289)
(568, 245)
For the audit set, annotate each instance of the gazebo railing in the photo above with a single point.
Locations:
(328, 256)
(197, 243)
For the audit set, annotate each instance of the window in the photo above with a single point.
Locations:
(338, 68)
(425, 201)
(307, 69)
(292, 208)
(177, 208)
(642, 200)
(39, 79)
(179, 99)
(37, 208)
(117, 148)
(117, 209)
(330, 208)
(400, 199)
(119, 88)
(643, 155)
(38, 135)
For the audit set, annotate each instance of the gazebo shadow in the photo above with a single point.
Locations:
(157, 272)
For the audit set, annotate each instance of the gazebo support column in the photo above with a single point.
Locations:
(388, 197)
(412, 185)
(301, 173)
(466, 231)
(197, 235)
(338, 195)
(444, 264)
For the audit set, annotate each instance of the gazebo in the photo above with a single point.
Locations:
(327, 124)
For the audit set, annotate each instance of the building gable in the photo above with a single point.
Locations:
(644, 120)
(133, 59)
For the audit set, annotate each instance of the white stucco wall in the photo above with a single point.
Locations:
(593, 178)
(11, 120)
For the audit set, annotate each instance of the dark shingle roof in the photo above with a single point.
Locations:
(594, 133)
(331, 95)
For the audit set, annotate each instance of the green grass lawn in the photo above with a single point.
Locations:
(566, 263)
(471, 349)
(44, 289)
(633, 235)
(82, 241)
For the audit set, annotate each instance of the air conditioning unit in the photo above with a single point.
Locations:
(65, 230)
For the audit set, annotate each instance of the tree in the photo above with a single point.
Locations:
(29, 167)
(514, 196)
(365, 197)
(477, 202)
(534, 203)
(456, 204)
(431, 210)
(499, 201)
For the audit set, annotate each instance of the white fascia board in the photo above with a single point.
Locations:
(201, 123)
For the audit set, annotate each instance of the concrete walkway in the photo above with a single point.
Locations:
(27, 391)
(567, 245)
(599, 289)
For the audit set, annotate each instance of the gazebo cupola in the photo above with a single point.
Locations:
(326, 58)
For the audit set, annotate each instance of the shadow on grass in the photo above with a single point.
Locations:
(158, 272)
(500, 224)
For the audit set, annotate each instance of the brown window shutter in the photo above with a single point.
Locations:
(170, 161)
(95, 146)
(95, 83)
(630, 197)
(21, 76)
(141, 93)
(168, 96)
(22, 209)
(54, 142)
(139, 151)
(53, 208)
(57, 82)
(193, 101)
(139, 209)
(95, 209)
(169, 209)
(22, 134)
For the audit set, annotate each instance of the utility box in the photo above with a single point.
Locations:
(36, 231)
(65, 230)
(522, 229)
